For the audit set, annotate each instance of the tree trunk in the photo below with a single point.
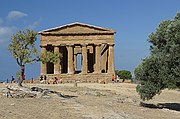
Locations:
(22, 76)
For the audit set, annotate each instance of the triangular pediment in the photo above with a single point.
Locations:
(76, 28)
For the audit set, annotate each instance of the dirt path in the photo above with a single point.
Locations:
(94, 101)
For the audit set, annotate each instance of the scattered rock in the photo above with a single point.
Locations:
(89, 117)
(12, 104)
(15, 91)
(75, 84)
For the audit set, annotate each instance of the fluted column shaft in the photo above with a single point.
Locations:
(111, 59)
(43, 66)
(70, 59)
(75, 62)
(97, 58)
(57, 65)
(84, 59)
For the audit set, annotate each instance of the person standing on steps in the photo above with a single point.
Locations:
(113, 78)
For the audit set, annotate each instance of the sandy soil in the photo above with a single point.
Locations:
(93, 101)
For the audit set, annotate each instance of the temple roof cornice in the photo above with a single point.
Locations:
(77, 29)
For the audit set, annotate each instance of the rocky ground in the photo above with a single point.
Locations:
(93, 101)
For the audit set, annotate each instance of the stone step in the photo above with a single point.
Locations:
(88, 78)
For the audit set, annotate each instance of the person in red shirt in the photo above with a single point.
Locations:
(113, 77)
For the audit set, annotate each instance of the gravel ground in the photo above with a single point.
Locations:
(93, 101)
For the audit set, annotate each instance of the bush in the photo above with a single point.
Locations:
(123, 74)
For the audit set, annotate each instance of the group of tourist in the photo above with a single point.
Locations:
(13, 80)
(55, 80)
(115, 79)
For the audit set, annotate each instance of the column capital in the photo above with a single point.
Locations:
(97, 44)
(55, 45)
(84, 44)
(111, 44)
(62, 44)
(69, 45)
(43, 45)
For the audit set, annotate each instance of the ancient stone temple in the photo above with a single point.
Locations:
(87, 52)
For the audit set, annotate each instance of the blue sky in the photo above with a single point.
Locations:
(133, 21)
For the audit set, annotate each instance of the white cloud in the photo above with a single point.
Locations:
(6, 30)
(6, 33)
(14, 15)
(35, 24)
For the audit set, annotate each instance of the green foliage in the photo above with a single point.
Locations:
(22, 47)
(50, 57)
(123, 74)
(117, 72)
(161, 69)
(148, 73)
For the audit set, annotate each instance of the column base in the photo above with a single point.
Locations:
(84, 72)
(70, 73)
(42, 74)
(56, 73)
(96, 72)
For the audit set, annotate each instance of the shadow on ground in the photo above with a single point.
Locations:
(170, 106)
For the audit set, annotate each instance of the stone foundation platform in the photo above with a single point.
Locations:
(84, 78)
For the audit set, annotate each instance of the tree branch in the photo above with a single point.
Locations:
(18, 61)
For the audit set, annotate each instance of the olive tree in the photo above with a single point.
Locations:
(161, 69)
(51, 57)
(22, 48)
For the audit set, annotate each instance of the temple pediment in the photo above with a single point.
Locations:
(77, 28)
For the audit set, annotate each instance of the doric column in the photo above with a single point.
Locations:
(84, 59)
(43, 66)
(75, 62)
(57, 65)
(70, 59)
(111, 59)
(97, 58)
(104, 60)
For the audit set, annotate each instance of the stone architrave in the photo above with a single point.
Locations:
(111, 59)
(84, 59)
(70, 59)
(43, 66)
(57, 65)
